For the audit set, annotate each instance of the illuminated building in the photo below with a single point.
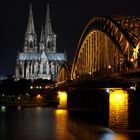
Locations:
(39, 60)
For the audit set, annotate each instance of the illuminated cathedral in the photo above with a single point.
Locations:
(39, 59)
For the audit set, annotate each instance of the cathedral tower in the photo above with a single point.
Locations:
(50, 37)
(39, 62)
(30, 44)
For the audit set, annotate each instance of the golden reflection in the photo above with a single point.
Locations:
(118, 109)
(61, 114)
(121, 137)
(61, 123)
(114, 136)
(38, 108)
(62, 96)
(59, 111)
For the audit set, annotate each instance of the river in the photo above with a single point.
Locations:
(41, 123)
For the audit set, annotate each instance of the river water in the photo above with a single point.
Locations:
(40, 123)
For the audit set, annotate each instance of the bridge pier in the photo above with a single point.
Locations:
(124, 109)
(62, 97)
(116, 109)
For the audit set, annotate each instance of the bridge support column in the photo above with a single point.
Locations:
(62, 96)
(124, 109)
(118, 109)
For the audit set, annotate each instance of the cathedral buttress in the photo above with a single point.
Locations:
(42, 41)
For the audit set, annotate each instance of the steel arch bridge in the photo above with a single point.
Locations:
(108, 45)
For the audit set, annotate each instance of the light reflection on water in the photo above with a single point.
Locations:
(3, 109)
(19, 108)
(61, 123)
(114, 136)
(45, 124)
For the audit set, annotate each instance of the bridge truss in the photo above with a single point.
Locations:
(107, 45)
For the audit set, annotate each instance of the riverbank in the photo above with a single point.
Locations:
(29, 104)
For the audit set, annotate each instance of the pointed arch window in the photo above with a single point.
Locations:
(44, 68)
(49, 44)
(31, 44)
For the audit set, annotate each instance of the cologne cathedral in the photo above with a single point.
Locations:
(39, 59)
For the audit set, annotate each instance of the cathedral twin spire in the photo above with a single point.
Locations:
(30, 26)
(39, 59)
(48, 26)
(47, 38)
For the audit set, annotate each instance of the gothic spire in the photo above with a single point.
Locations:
(48, 27)
(30, 26)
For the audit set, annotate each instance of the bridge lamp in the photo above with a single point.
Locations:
(90, 72)
(19, 97)
(31, 87)
(38, 96)
(133, 87)
(107, 90)
(109, 67)
(3, 109)
(132, 60)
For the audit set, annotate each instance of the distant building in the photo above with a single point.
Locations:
(39, 60)
(3, 77)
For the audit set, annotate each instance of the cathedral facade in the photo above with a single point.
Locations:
(39, 60)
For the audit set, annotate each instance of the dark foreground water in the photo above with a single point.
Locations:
(47, 124)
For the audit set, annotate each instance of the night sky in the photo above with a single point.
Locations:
(69, 17)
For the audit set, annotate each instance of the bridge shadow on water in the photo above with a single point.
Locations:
(89, 116)
(89, 106)
(92, 125)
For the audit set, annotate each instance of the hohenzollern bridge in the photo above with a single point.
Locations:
(106, 69)
(108, 46)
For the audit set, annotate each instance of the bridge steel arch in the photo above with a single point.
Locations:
(63, 74)
(107, 44)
